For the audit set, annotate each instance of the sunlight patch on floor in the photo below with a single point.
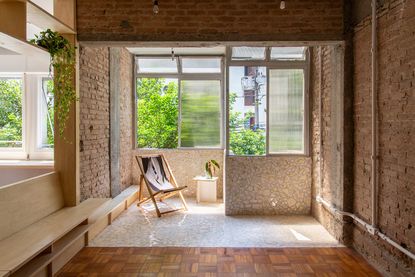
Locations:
(205, 225)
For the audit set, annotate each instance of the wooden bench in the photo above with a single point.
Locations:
(38, 235)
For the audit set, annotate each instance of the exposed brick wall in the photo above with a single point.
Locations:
(94, 122)
(396, 98)
(212, 20)
(322, 84)
(126, 119)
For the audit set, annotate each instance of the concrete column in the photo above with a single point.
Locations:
(115, 89)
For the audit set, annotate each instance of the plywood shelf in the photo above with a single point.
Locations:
(44, 20)
(21, 47)
(58, 248)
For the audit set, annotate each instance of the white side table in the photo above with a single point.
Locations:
(206, 189)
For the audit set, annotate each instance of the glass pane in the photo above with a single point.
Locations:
(11, 112)
(286, 107)
(201, 113)
(201, 65)
(247, 110)
(46, 122)
(288, 53)
(157, 113)
(157, 65)
(248, 53)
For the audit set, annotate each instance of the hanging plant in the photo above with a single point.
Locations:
(62, 67)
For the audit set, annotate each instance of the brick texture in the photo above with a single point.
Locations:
(396, 125)
(94, 122)
(211, 20)
(321, 84)
(126, 119)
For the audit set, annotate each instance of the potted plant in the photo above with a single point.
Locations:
(62, 65)
(211, 167)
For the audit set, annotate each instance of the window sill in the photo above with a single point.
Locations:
(26, 164)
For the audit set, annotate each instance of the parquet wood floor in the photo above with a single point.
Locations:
(209, 262)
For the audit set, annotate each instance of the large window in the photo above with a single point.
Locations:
(267, 100)
(26, 117)
(179, 102)
(11, 113)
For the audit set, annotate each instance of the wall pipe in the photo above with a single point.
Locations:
(374, 157)
(374, 231)
(320, 111)
(371, 228)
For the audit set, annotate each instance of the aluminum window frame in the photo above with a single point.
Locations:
(273, 64)
(180, 76)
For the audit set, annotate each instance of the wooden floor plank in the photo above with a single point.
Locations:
(186, 261)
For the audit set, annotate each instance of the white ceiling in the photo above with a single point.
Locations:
(217, 50)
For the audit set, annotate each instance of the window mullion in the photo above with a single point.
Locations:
(179, 121)
(267, 115)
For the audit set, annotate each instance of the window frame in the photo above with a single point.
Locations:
(31, 85)
(273, 64)
(180, 76)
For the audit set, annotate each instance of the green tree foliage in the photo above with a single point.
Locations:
(157, 113)
(49, 104)
(243, 141)
(10, 113)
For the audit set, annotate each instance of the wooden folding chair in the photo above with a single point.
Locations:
(153, 170)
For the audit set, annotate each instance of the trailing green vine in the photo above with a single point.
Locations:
(62, 65)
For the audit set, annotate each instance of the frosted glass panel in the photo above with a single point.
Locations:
(286, 111)
(248, 53)
(200, 113)
(157, 65)
(201, 65)
(288, 53)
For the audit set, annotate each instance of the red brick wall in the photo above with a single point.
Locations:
(396, 98)
(212, 20)
(94, 122)
(322, 86)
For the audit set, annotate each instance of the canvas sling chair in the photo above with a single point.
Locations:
(153, 170)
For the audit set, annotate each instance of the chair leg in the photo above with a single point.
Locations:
(140, 192)
(183, 201)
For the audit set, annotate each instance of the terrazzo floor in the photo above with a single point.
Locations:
(205, 225)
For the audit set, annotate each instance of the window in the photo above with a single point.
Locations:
(157, 113)
(248, 53)
(45, 114)
(286, 111)
(201, 65)
(11, 112)
(201, 113)
(182, 109)
(288, 53)
(247, 123)
(157, 65)
(267, 101)
(26, 117)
